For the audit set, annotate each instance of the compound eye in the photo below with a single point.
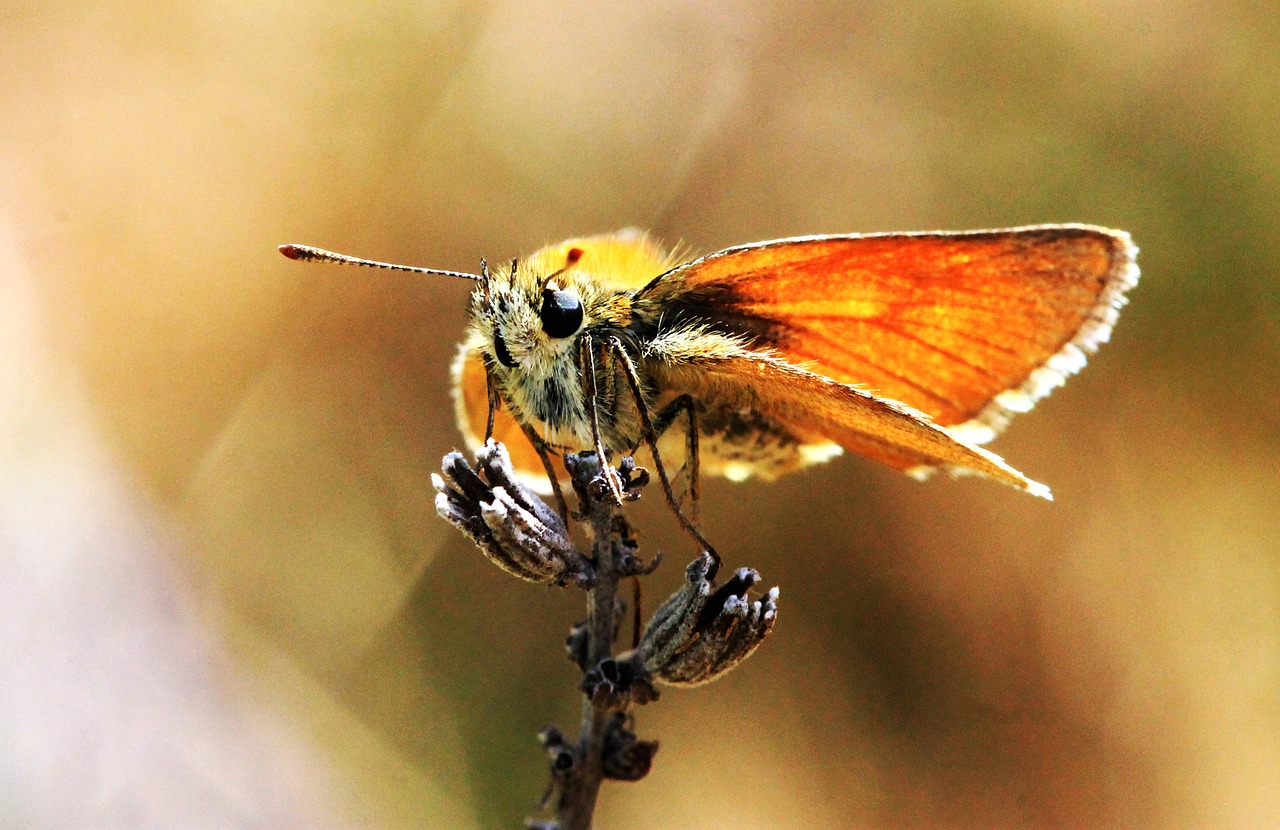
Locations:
(500, 351)
(561, 313)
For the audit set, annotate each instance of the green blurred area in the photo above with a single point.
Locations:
(951, 654)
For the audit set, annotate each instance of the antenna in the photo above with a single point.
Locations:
(305, 253)
(570, 260)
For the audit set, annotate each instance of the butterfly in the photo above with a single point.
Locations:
(911, 349)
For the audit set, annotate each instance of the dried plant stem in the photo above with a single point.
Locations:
(578, 801)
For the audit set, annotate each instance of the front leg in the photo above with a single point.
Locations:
(544, 453)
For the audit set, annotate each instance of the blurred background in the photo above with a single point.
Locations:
(226, 599)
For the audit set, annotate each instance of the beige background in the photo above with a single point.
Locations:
(225, 598)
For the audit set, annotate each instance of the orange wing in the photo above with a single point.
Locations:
(719, 371)
(968, 328)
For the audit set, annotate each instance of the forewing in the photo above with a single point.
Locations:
(967, 328)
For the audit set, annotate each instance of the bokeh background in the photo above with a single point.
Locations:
(226, 599)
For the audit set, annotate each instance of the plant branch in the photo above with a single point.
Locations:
(609, 530)
(696, 635)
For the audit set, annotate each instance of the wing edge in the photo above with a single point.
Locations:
(1099, 322)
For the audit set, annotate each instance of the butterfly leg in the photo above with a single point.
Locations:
(495, 403)
(542, 448)
(651, 438)
(544, 453)
(588, 360)
(683, 405)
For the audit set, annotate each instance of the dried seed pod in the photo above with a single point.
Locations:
(703, 631)
(510, 524)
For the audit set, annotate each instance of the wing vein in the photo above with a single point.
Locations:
(905, 380)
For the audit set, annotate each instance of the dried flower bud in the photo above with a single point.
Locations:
(561, 755)
(618, 682)
(634, 478)
(514, 528)
(703, 631)
(591, 484)
(626, 758)
(577, 643)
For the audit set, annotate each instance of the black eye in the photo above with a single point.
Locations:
(561, 313)
(500, 350)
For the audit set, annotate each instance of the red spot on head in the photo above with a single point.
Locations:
(572, 257)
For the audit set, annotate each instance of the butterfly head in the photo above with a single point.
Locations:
(527, 319)
(528, 322)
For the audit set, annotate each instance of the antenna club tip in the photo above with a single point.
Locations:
(291, 251)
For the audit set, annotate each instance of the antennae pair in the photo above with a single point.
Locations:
(306, 253)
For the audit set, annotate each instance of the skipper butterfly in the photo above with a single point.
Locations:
(912, 349)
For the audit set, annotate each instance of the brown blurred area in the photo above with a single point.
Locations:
(226, 599)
